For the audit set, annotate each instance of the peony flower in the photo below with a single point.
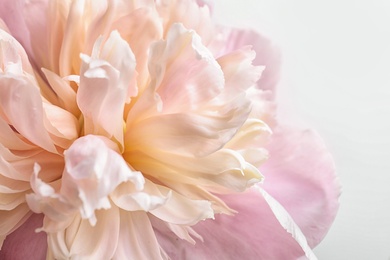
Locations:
(142, 130)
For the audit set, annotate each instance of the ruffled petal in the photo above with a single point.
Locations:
(239, 72)
(92, 172)
(254, 233)
(192, 15)
(267, 53)
(300, 174)
(127, 197)
(183, 71)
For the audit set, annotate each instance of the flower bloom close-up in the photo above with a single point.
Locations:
(143, 130)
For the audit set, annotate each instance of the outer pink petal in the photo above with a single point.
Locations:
(24, 243)
(253, 233)
(267, 54)
(300, 174)
(12, 14)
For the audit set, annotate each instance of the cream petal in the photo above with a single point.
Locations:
(108, 76)
(7, 166)
(189, 134)
(73, 31)
(11, 139)
(99, 241)
(196, 192)
(11, 198)
(140, 29)
(234, 174)
(189, 13)
(62, 125)
(136, 238)
(80, 240)
(180, 210)
(64, 91)
(250, 140)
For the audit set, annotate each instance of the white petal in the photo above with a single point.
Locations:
(92, 172)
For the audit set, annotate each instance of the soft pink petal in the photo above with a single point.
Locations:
(105, 86)
(238, 70)
(12, 14)
(21, 102)
(25, 243)
(300, 174)
(253, 233)
(267, 54)
(183, 71)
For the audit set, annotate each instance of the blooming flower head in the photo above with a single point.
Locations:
(138, 129)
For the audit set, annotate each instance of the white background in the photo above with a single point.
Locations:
(336, 77)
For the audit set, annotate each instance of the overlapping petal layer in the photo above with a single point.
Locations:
(139, 129)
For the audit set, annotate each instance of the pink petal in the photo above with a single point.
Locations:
(25, 243)
(12, 14)
(253, 233)
(267, 54)
(300, 174)
(21, 102)
(184, 72)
